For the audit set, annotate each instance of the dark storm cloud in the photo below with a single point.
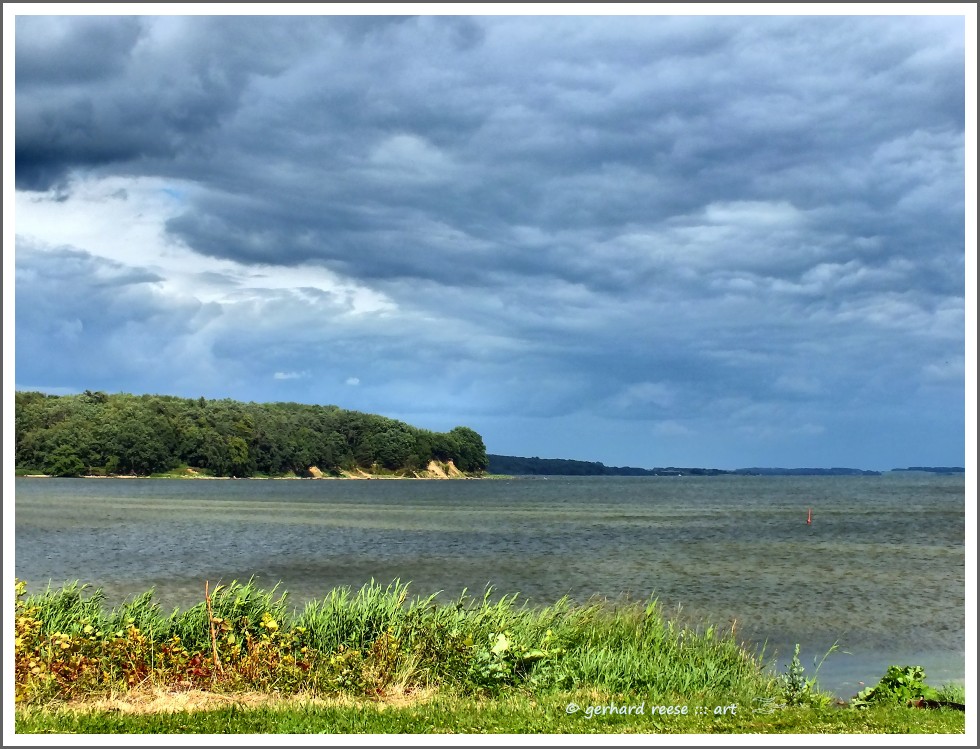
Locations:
(99, 90)
(420, 147)
(57, 50)
(758, 218)
(404, 165)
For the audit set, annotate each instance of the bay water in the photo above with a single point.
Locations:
(879, 572)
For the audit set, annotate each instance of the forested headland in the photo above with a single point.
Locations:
(95, 433)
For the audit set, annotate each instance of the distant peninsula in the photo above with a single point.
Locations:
(98, 434)
(517, 466)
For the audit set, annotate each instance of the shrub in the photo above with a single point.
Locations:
(899, 686)
(797, 688)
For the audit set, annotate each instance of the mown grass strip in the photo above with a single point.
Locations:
(515, 714)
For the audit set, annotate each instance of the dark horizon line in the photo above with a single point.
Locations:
(749, 469)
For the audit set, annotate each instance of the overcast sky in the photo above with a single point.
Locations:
(645, 240)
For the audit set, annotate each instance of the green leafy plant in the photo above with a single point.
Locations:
(506, 661)
(797, 688)
(953, 693)
(899, 686)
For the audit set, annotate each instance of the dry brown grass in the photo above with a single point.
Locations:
(147, 700)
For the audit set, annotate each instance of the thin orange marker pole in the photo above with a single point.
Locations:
(809, 515)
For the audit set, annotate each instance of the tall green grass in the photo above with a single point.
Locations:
(374, 639)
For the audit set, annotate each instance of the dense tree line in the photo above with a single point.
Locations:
(517, 466)
(71, 435)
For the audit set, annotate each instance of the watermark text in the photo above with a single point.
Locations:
(642, 708)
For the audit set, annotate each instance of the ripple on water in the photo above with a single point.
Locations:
(881, 570)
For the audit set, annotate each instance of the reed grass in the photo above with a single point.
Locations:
(370, 641)
(379, 660)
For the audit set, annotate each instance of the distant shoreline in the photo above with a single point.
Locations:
(515, 465)
(654, 473)
(263, 478)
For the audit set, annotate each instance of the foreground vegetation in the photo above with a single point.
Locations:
(97, 433)
(376, 661)
(517, 714)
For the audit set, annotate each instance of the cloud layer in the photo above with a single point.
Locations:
(718, 241)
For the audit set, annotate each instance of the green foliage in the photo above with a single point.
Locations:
(507, 713)
(899, 686)
(472, 451)
(367, 643)
(153, 434)
(952, 693)
(64, 461)
(798, 689)
(502, 661)
(485, 657)
(393, 448)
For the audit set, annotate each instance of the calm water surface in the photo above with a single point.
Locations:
(881, 570)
